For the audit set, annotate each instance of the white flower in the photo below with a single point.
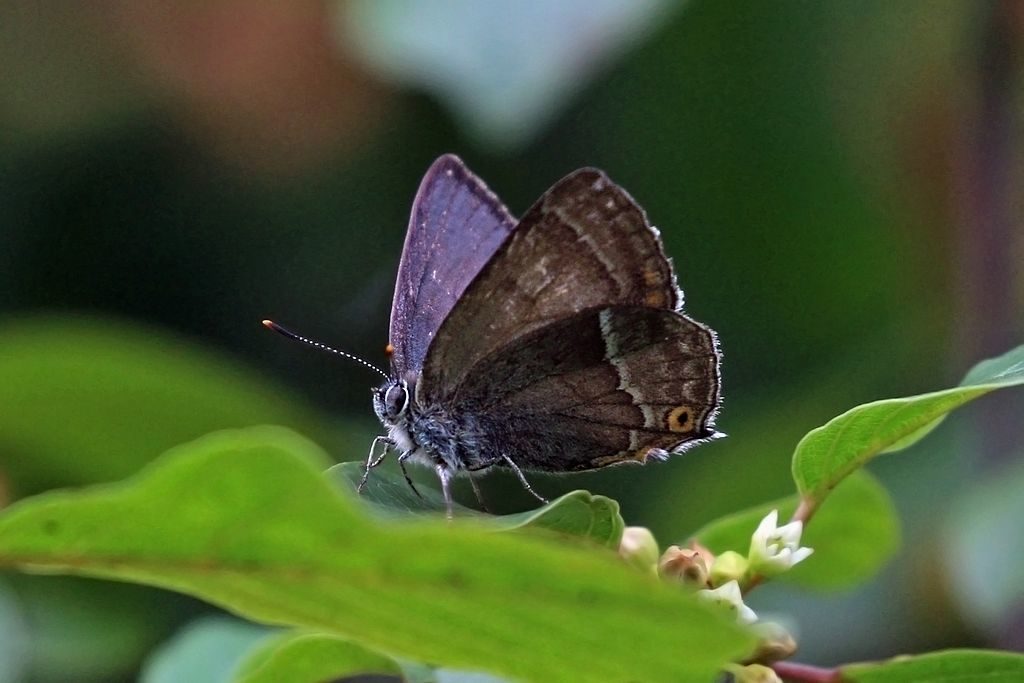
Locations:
(774, 548)
(728, 595)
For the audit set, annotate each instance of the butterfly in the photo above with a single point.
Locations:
(555, 343)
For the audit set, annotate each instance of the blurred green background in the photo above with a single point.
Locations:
(838, 183)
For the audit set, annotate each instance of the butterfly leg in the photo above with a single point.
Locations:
(522, 478)
(476, 490)
(405, 473)
(372, 462)
(445, 475)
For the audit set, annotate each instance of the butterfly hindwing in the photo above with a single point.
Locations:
(601, 387)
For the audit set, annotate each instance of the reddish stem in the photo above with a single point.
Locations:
(805, 510)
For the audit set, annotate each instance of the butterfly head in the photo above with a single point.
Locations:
(391, 401)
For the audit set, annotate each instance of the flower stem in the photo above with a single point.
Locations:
(805, 510)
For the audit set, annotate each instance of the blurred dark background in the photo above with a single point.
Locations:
(838, 183)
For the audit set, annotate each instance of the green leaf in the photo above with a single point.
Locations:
(312, 657)
(949, 666)
(388, 494)
(245, 520)
(315, 657)
(853, 536)
(453, 676)
(84, 400)
(831, 452)
(208, 650)
(578, 513)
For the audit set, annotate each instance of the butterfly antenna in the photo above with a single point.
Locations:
(271, 325)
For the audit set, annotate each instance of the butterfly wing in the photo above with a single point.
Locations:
(568, 352)
(584, 244)
(456, 226)
(603, 386)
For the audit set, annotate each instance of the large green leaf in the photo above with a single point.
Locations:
(86, 400)
(454, 676)
(830, 452)
(853, 536)
(246, 520)
(578, 513)
(950, 666)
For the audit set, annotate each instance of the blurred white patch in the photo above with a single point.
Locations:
(14, 635)
(984, 552)
(505, 68)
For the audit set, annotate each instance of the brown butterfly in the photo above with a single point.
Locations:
(554, 343)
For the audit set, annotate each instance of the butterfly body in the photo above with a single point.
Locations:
(554, 343)
(430, 434)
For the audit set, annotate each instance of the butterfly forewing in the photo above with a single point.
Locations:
(584, 244)
(456, 226)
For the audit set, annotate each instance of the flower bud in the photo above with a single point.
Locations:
(639, 548)
(774, 643)
(688, 565)
(753, 673)
(729, 566)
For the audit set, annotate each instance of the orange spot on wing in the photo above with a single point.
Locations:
(680, 419)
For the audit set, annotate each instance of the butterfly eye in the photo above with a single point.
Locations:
(396, 400)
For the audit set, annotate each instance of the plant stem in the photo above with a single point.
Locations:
(805, 510)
